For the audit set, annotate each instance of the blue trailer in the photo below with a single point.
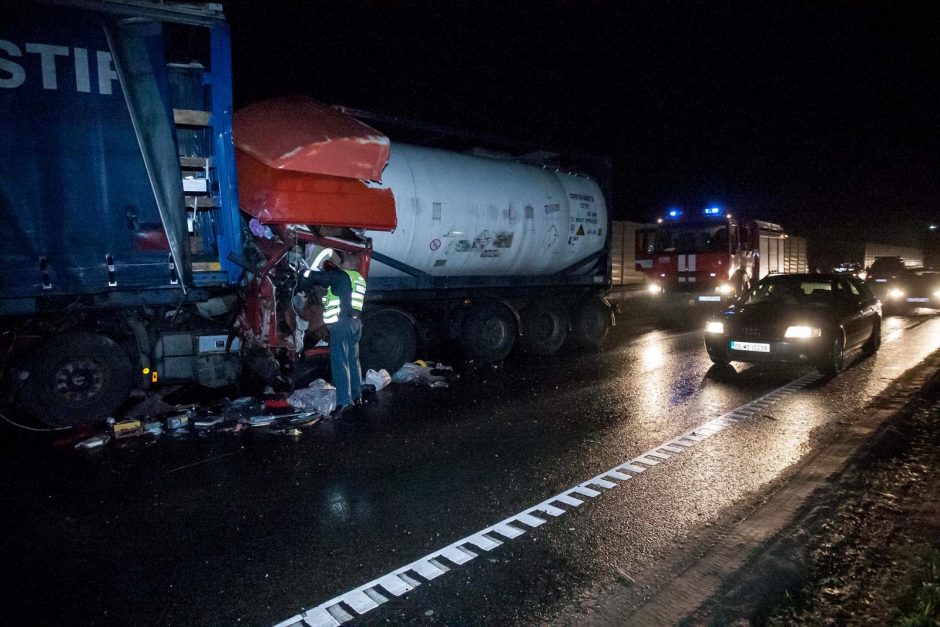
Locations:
(117, 194)
(126, 259)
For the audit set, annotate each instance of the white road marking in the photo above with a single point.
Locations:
(398, 582)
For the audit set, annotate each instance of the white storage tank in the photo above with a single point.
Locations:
(465, 215)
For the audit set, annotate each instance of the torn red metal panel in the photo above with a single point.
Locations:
(280, 196)
(304, 135)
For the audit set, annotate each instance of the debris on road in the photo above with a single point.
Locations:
(435, 375)
(319, 397)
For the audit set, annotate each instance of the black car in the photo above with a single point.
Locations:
(797, 318)
(902, 288)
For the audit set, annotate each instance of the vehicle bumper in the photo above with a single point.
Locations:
(809, 351)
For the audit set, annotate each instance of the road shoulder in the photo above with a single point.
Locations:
(745, 570)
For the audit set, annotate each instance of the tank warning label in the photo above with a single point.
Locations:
(435, 244)
(503, 240)
(581, 197)
(553, 208)
(462, 246)
(490, 253)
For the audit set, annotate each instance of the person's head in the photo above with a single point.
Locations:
(348, 261)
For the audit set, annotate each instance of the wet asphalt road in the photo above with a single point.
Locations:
(251, 529)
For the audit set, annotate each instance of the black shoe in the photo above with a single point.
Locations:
(339, 411)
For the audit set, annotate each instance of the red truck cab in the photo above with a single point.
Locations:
(713, 257)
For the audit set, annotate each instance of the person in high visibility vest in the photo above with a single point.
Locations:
(342, 306)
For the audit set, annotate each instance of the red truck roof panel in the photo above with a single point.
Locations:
(281, 196)
(301, 134)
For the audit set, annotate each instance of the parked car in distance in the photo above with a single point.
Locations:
(797, 318)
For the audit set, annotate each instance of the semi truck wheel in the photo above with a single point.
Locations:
(591, 322)
(488, 332)
(78, 378)
(388, 340)
(545, 327)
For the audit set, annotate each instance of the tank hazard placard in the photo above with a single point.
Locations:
(584, 218)
(486, 244)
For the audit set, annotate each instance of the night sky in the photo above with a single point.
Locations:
(822, 116)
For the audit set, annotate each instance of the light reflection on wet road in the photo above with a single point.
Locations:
(282, 525)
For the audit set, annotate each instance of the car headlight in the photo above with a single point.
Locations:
(715, 327)
(936, 294)
(895, 294)
(724, 288)
(802, 332)
(654, 288)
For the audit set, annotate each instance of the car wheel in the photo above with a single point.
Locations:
(719, 360)
(874, 340)
(835, 360)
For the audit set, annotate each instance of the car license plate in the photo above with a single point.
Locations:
(754, 347)
(918, 300)
(709, 299)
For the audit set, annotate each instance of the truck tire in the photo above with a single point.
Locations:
(545, 327)
(488, 332)
(78, 378)
(590, 322)
(388, 340)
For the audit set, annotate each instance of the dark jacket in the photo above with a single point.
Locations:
(338, 282)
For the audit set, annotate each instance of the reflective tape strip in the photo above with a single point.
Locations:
(585, 491)
(458, 555)
(484, 542)
(568, 500)
(358, 600)
(631, 468)
(551, 510)
(394, 584)
(319, 617)
(534, 521)
(429, 570)
(505, 529)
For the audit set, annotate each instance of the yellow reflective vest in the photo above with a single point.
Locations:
(331, 301)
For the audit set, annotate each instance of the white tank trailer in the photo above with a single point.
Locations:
(487, 251)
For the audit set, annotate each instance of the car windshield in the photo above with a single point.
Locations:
(793, 290)
(689, 239)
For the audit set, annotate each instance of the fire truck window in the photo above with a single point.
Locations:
(687, 240)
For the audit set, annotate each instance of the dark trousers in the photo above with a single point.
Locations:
(344, 359)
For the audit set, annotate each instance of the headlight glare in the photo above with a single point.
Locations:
(654, 288)
(724, 288)
(715, 327)
(895, 294)
(802, 332)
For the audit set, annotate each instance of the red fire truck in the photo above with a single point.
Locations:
(713, 257)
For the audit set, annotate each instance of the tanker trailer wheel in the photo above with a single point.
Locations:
(591, 322)
(545, 327)
(78, 378)
(488, 332)
(388, 340)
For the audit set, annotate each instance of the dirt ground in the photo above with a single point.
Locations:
(865, 550)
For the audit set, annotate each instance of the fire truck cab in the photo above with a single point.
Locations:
(712, 258)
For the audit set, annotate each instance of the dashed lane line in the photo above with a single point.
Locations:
(400, 581)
